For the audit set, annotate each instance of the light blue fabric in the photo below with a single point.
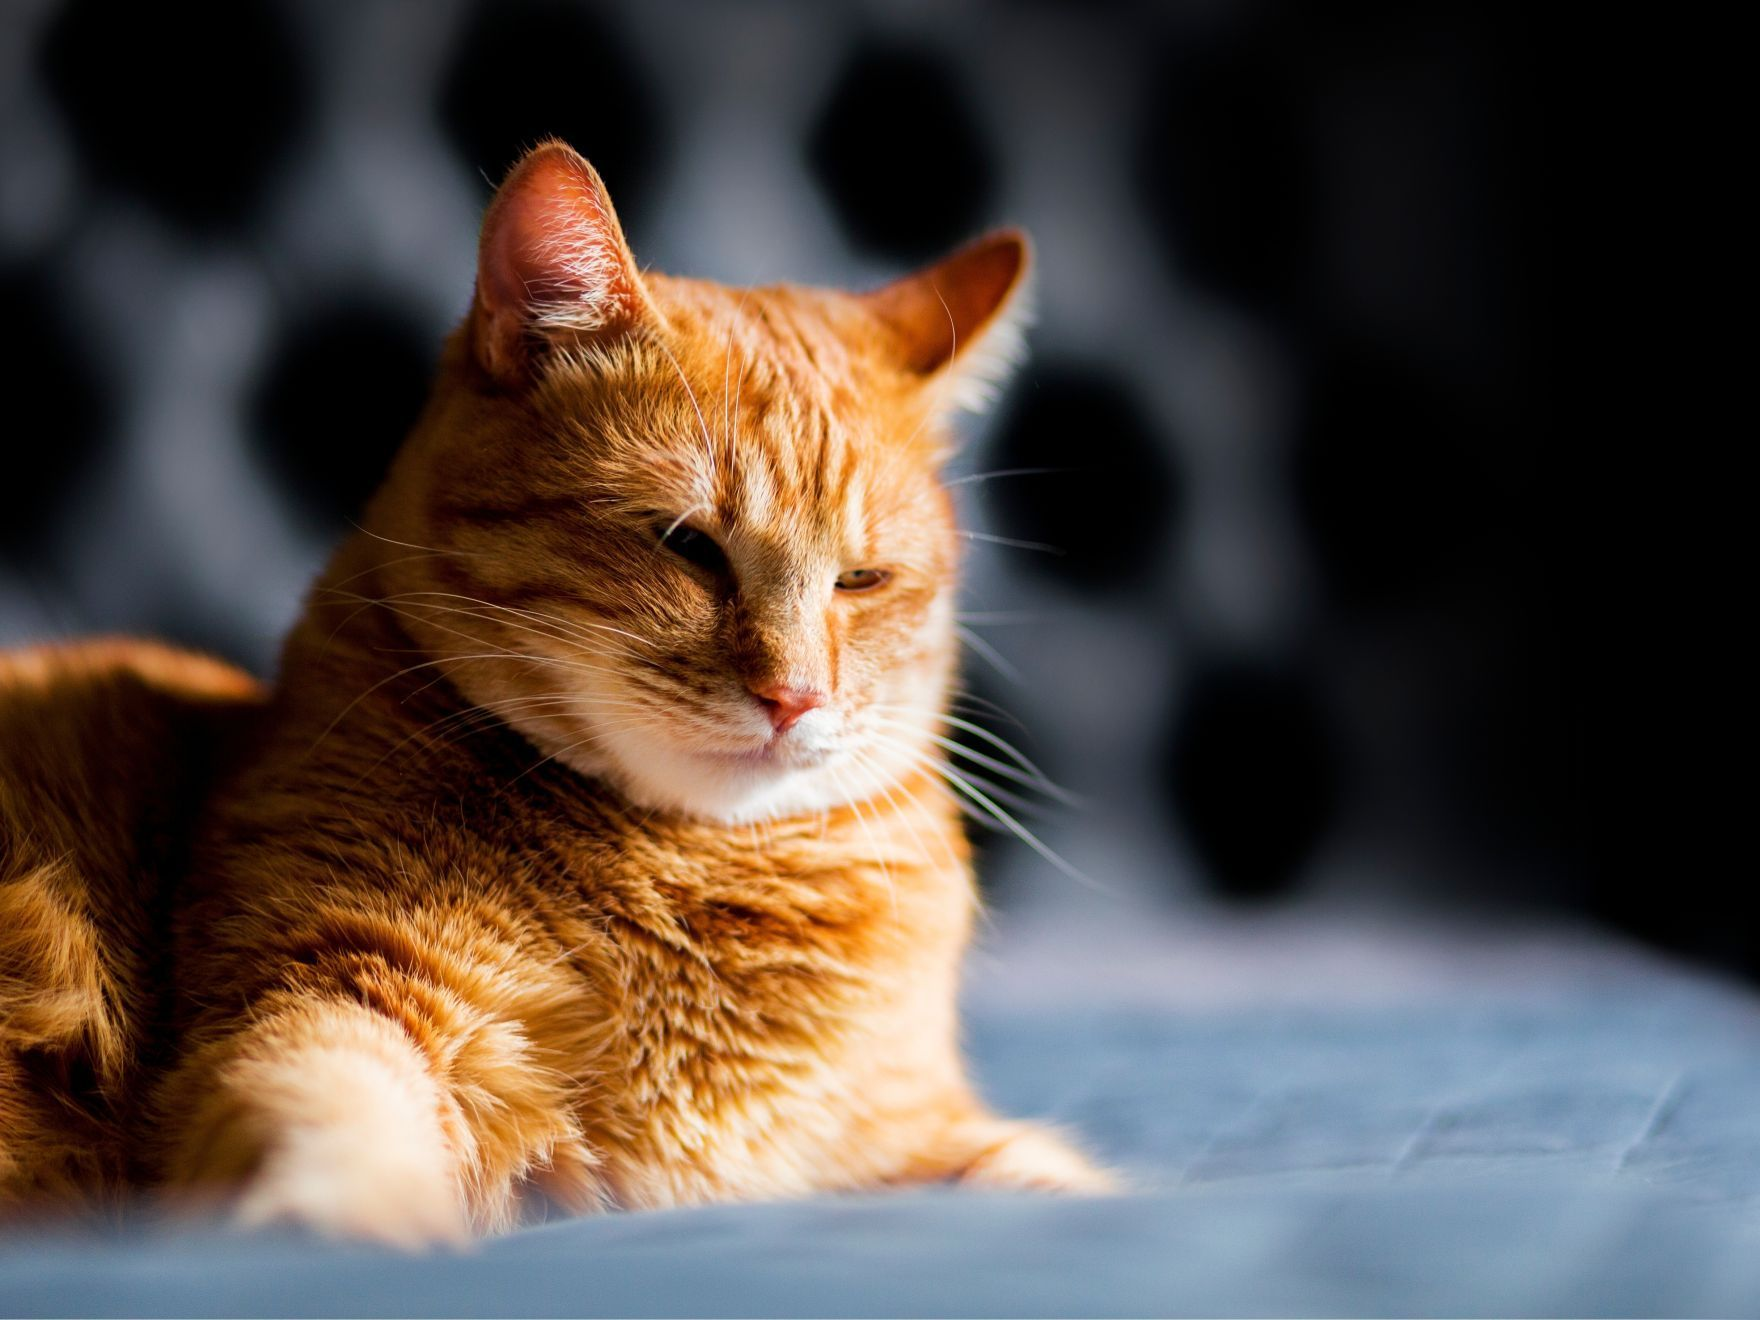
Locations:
(1591, 1146)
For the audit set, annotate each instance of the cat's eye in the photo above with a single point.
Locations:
(697, 548)
(862, 579)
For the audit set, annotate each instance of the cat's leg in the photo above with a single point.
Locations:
(326, 1116)
(64, 1047)
(106, 750)
(1005, 1153)
(54, 1159)
(966, 1144)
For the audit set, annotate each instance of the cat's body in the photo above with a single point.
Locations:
(107, 750)
(579, 854)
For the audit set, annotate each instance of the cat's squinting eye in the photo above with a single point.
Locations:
(697, 548)
(863, 579)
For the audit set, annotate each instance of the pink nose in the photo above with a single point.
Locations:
(785, 705)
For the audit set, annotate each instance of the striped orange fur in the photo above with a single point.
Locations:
(590, 847)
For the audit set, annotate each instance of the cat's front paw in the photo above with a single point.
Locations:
(396, 1202)
(1035, 1159)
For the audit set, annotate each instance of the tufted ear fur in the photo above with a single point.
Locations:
(552, 263)
(958, 323)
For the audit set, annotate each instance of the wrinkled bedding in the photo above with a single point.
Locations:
(1320, 1117)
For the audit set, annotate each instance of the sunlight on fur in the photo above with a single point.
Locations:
(598, 845)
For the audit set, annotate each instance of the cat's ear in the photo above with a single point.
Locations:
(958, 323)
(552, 265)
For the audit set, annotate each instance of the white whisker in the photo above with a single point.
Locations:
(1032, 779)
(997, 660)
(990, 538)
(1005, 472)
(1020, 831)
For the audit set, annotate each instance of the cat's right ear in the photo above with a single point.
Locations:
(552, 266)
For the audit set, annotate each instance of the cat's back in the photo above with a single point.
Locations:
(107, 749)
(103, 742)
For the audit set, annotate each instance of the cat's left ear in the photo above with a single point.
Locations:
(552, 265)
(959, 323)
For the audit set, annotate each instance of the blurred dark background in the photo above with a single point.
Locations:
(1309, 631)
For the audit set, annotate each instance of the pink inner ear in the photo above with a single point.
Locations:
(552, 259)
(941, 309)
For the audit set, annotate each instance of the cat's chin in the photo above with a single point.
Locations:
(732, 788)
(764, 782)
(777, 756)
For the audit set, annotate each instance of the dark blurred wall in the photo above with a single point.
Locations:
(1302, 630)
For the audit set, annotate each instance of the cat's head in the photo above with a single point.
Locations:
(689, 538)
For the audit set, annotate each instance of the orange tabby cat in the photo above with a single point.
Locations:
(592, 843)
